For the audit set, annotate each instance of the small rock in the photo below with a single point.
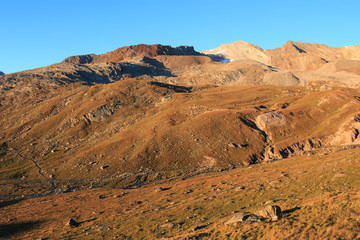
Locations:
(233, 145)
(195, 228)
(104, 167)
(188, 191)
(243, 217)
(102, 228)
(72, 223)
(97, 213)
(160, 189)
(239, 188)
(167, 225)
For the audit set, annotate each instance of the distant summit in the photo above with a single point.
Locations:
(1, 73)
(129, 52)
(240, 50)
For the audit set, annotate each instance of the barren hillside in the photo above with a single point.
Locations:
(153, 130)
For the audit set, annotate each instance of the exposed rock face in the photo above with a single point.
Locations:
(80, 59)
(1, 73)
(130, 52)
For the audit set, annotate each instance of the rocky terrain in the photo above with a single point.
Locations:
(152, 130)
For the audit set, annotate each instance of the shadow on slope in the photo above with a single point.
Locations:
(175, 88)
(7, 230)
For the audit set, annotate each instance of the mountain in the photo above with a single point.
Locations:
(1, 73)
(152, 141)
(136, 111)
(291, 56)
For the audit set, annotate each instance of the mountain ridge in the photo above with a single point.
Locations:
(291, 56)
(129, 52)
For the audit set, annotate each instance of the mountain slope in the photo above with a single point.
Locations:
(151, 141)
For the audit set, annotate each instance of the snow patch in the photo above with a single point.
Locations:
(225, 60)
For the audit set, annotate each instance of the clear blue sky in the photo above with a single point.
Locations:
(36, 33)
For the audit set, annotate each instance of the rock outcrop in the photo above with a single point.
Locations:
(80, 59)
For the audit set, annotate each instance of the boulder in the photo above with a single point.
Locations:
(72, 223)
(272, 212)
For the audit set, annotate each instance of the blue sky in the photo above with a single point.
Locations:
(37, 33)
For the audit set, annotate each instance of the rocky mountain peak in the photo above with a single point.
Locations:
(291, 45)
(132, 51)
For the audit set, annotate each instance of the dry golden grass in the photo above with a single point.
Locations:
(319, 195)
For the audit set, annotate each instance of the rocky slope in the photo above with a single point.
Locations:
(319, 197)
(149, 113)
(162, 112)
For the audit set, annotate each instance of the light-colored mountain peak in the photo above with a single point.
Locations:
(240, 50)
